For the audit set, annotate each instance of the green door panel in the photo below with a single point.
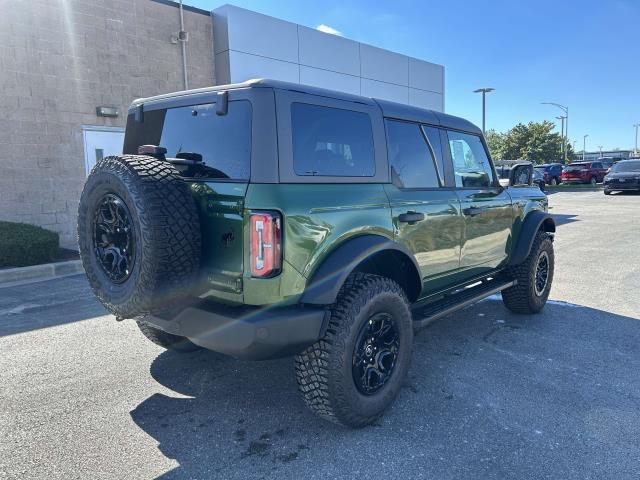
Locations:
(435, 241)
(221, 206)
(318, 217)
(488, 222)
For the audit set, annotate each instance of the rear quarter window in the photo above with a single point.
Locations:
(331, 141)
(224, 141)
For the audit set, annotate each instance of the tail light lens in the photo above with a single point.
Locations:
(266, 244)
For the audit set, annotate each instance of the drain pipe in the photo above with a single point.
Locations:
(183, 37)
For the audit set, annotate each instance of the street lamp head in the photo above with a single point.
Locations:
(484, 90)
(565, 109)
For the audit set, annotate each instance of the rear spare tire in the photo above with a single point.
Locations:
(139, 234)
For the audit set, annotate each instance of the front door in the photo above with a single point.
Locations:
(101, 142)
(426, 215)
(486, 207)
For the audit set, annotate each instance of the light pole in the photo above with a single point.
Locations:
(566, 130)
(600, 147)
(484, 91)
(584, 145)
(564, 146)
(635, 149)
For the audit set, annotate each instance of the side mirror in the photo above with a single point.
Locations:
(521, 175)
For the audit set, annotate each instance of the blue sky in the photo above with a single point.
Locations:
(585, 55)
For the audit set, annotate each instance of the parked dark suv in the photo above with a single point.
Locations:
(268, 219)
(552, 172)
(584, 172)
(624, 175)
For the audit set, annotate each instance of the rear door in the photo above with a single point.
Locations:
(426, 213)
(225, 142)
(486, 206)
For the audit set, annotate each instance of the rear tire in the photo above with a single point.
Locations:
(166, 340)
(530, 295)
(553, 182)
(346, 377)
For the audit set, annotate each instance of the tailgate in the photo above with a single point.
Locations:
(220, 205)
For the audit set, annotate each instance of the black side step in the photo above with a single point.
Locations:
(458, 300)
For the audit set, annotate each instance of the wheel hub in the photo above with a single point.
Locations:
(542, 273)
(113, 240)
(375, 353)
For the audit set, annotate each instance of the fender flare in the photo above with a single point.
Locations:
(533, 222)
(325, 283)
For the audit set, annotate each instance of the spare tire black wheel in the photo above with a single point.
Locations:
(139, 235)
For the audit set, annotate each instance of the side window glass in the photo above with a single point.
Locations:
(470, 162)
(331, 141)
(433, 135)
(410, 156)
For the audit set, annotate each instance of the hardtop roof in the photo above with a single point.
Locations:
(388, 108)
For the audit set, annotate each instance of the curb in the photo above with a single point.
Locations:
(38, 273)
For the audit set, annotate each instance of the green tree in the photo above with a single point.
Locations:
(495, 141)
(534, 141)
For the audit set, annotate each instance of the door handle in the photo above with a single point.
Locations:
(472, 211)
(411, 217)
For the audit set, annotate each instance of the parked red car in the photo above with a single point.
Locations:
(584, 172)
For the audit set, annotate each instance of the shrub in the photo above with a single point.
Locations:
(22, 244)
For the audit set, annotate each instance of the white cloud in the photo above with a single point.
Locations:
(327, 29)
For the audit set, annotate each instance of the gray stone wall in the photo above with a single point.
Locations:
(58, 61)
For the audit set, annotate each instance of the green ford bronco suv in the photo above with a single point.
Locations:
(268, 219)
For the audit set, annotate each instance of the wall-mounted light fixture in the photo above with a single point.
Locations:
(104, 111)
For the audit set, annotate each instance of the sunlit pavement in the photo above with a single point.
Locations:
(489, 395)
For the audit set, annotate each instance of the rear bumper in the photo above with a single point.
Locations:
(245, 332)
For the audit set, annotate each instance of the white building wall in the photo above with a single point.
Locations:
(251, 45)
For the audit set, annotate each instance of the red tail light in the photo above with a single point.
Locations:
(266, 244)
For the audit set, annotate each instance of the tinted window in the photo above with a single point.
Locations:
(224, 141)
(470, 162)
(331, 142)
(627, 166)
(410, 156)
(596, 165)
(433, 135)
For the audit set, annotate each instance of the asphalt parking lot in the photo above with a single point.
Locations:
(489, 395)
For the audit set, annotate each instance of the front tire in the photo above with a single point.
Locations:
(607, 192)
(553, 182)
(593, 181)
(534, 277)
(352, 374)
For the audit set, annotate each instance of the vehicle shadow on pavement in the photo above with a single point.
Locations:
(563, 219)
(489, 393)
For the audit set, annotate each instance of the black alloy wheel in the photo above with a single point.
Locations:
(375, 353)
(113, 238)
(542, 273)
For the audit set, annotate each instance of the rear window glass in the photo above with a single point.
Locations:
(331, 142)
(224, 141)
(411, 160)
